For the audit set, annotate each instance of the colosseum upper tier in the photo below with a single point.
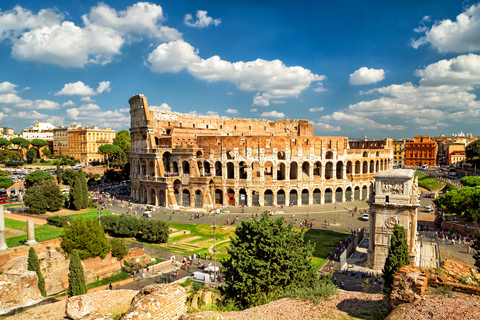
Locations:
(184, 160)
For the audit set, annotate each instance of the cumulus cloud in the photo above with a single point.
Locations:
(202, 20)
(231, 111)
(212, 113)
(46, 37)
(69, 103)
(461, 35)
(79, 88)
(463, 70)
(10, 99)
(102, 119)
(316, 109)
(325, 126)
(253, 110)
(270, 79)
(87, 99)
(366, 76)
(273, 114)
(162, 107)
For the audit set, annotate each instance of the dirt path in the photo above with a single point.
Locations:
(23, 218)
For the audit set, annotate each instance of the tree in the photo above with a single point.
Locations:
(76, 195)
(83, 182)
(18, 141)
(122, 139)
(470, 181)
(119, 248)
(76, 276)
(472, 150)
(38, 175)
(44, 196)
(38, 143)
(46, 152)
(31, 155)
(397, 257)
(87, 237)
(112, 152)
(34, 265)
(267, 257)
(69, 176)
(476, 250)
(463, 201)
(59, 173)
(154, 230)
(6, 182)
(4, 143)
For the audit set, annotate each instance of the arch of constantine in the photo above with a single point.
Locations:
(206, 161)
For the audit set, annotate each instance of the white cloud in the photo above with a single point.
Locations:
(7, 87)
(10, 98)
(79, 88)
(429, 127)
(273, 114)
(325, 126)
(125, 110)
(253, 110)
(162, 107)
(202, 20)
(462, 70)
(231, 111)
(69, 103)
(366, 76)
(270, 79)
(48, 38)
(212, 113)
(316, 109)
(87, 99)
(454, 36)
(102, 119)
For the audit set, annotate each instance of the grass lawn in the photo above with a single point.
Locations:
(42, 233)
(16, 204)
(88, 214)
(428, 182)
(117, 277)
(17, 225)
(326, 241)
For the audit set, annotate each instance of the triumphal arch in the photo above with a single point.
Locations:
(395, 200)
(207, 161)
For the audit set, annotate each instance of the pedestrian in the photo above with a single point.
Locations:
(453, 241)
(110, 286)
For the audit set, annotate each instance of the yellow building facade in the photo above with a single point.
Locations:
(83, 142)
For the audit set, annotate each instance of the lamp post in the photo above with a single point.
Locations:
(214, 250)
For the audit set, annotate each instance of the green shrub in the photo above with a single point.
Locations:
(320, 290)
(119, 248)
(58, 221)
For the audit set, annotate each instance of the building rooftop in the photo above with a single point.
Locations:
(396, 173)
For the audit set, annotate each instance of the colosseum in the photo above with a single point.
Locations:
(184, 160)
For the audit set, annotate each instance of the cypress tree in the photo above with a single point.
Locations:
(76, 199)
(397, 257)
(76, 276)
(59, 173)
(34, 265)
(83, 181)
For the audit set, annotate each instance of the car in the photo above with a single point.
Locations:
(428, 208)
(366, 216)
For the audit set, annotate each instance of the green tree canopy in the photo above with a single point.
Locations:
(397, 257)
(112, 152)
(472, 150)
(266, 258)
(154, 230)
(76, 276)
(4, 173)
(470, 181)
(38, 175)
(463, 201)
(34, 265)
(6, 182)
(59, 173)
(86, 236)
(122, 139)
(4, 143)
(18, 141)
(39, 143)
(69, 176)
(46, 152)
(44, 196)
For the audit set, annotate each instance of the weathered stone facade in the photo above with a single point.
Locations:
(207, 161)
(395, 201)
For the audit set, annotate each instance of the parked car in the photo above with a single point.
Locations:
(366, 216)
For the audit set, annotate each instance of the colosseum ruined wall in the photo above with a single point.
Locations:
(185, 160)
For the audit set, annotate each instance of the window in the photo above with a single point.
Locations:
(264, 128)
(249, 127)
(194, 125)
(234, 127)
(221, 127)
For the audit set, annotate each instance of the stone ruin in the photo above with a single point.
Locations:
(410, 282)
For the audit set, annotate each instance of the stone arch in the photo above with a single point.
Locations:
(281, 155)
(348, 194)
(242, 170)
(377, 166)
(306, 169)
(161, 198)
(356, 193)
(377, 154)
(364, 192)
(198, 198)
(166, 158)
(268, 169)
(242, 197)
(305, 197)
(349, 167)
(255, 169)
(230, 155)
(231, 197)
(281, 171)
(281, 197)
(200, 167)
(365, 154)
(218, 169)
(317, 196)
(186, 167)
(206, 165)
(339, 195)
(328, 196)
(143, 168)
(230, 170)
(199, 154)
(151, 168)
(293, 197)
(357, 167)
(218, 196)
(175, 167)
(152, 197)
(186, 198)
(329, 155)
(365, 167)
(329, 170)
(268, 197)
(317, 169)
(255, 198)
(293, 170)
(339, 170)
(372, 166)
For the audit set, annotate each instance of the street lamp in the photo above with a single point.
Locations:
(214, 249)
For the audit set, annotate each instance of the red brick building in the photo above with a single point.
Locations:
(422, 151)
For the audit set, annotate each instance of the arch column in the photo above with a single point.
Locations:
(344, 195)
(274, 198)
(299, 198)
(344, 171)
(261, 198)
(192, 198)
(157, 195)
(322, 196)
(322, 174)
(287, 170)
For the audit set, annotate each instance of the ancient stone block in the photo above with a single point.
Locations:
(18, 288)
(79, 306)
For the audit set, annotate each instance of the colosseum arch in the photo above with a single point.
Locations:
(349, 167)
(317, 169)
(377, 166)
(305, 197)
(328, 195)
(230, 155)
(348, 194)
(268, 197)
(186, 167)
(199, 154)
(365, 154)
(364, 192)
(218, 196)
(151, 169)
(166, 158)
(242, 170)
(230, 170)
(152, 197)
(206, 165)
(356, 193)
(306, 169)
(365, 167)
(339, 170)
(175, 167)
(372, 166)
(357, 167)
(329, 155)
(161, 198)
(143, 168)
(200, 166)
(329, 170)
(281, 155)
(281, 197)
(255, 198)
(317, 196)
(281, 171)
(198, 198)
(255, 169)
(218, 169)
(186, 198)
(242, 197)
(293, 197)
(293, 170)
(338, 195)
(268, 167)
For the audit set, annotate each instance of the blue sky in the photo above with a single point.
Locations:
(385, 69)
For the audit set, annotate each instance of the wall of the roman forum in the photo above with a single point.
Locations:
(210, 161)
